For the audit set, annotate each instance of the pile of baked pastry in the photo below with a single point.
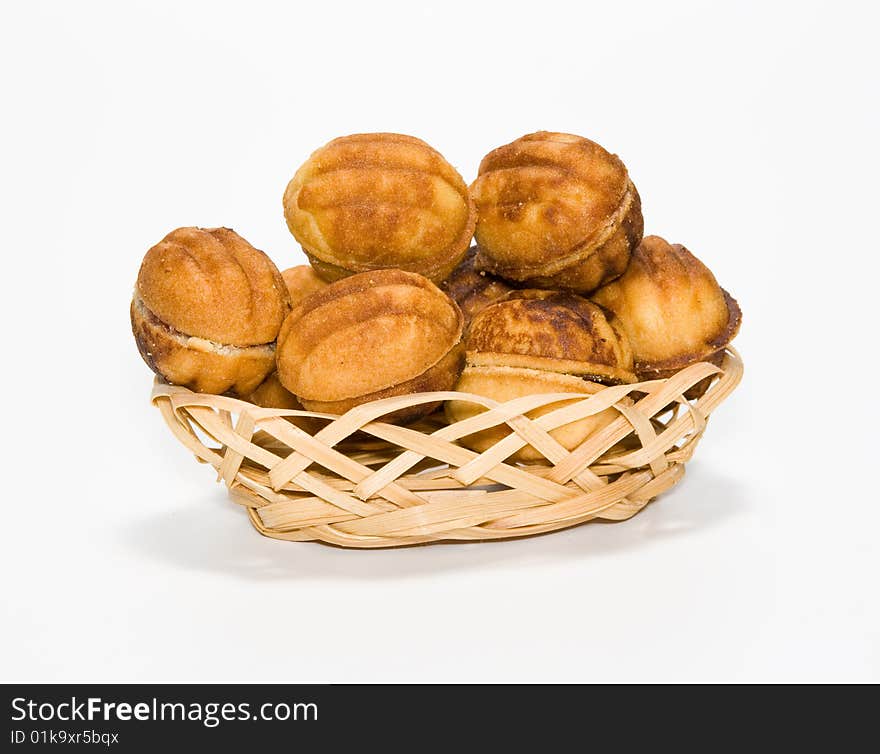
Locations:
(560, 294)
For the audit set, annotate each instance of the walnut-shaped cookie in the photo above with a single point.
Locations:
(506, 383)
(472, 290)
(206, 310)
(270, 393)
(555, 210)
(671, 308)
(373, 201)
(302, 281)
(540, 342)
(369, 336)
(552, 331)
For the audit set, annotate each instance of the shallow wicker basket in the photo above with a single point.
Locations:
(358, 482)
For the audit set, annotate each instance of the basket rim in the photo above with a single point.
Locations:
(732, 365)
(416, 484)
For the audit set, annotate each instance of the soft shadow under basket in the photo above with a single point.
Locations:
(358, 482)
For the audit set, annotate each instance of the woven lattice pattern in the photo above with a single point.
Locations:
(358, 482)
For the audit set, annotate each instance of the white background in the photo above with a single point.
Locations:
(751, 133)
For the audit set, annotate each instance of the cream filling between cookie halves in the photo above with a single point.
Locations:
(195, 343)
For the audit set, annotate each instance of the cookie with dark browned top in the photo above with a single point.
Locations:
(536, 341)
(471, 289)
(552, 331)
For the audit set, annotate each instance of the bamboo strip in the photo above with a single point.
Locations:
(360, 482)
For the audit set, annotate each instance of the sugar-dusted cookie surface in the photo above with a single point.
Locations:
(555, 210)
(372, 201)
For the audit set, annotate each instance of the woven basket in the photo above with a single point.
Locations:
(358, 482)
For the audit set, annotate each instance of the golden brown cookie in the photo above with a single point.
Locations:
(373, 201)
(555, 210)
(270, 393)
(302, 281)
(551, 331)
(373, 335)
(536, 341)
(671, 308)
(506, 383)
(206, 310)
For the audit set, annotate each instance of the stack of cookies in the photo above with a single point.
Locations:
(560, 294)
